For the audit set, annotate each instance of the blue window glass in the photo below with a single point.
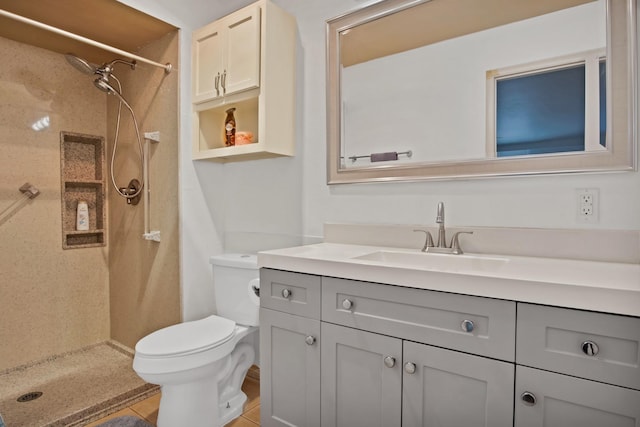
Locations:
(542, 113)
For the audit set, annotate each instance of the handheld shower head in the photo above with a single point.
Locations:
(103, 84)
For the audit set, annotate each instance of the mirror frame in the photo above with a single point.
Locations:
(621, 90)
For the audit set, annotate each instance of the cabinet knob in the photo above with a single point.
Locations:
(217, 84)
(528, 398)
(310, 340)
(347, 304)
(286, 293)
(590, 348)
(467, 325)
(410, 368)
(389, 362)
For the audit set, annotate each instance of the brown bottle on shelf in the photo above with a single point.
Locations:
(230, 128)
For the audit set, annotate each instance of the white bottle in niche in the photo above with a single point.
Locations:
(82, 216)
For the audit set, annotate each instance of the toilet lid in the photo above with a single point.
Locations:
(187, 337)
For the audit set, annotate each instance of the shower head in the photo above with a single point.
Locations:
(80, 64)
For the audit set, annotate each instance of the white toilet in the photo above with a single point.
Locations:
(200, 365)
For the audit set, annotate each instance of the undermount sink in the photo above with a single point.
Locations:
(434, 261)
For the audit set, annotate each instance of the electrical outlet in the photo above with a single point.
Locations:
(587, 205)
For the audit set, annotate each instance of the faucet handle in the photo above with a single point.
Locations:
(429, 240)
(455, 243)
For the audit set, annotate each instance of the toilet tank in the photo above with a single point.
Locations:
(234, 276)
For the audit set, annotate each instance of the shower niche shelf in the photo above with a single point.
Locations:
(82, 170)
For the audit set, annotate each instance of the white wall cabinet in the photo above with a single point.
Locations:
(226, 55)
(393, 356)
(245, 61)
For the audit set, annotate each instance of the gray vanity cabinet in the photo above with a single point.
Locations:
(548, 399)
(289, 349)
(373, 380)
(361, 381)
(580, 368)
(447, 388)
(347, 353)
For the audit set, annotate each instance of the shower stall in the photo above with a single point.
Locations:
(59, 302)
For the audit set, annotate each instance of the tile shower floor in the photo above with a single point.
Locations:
(77, 388)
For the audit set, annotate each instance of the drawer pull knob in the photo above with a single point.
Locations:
(310, 340)
(286, 293)
(410, 368)
(389, 362)
(590, 348)
(467, 325)
(347, 304)
(528, 398)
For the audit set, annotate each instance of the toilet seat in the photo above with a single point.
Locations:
(187, 338)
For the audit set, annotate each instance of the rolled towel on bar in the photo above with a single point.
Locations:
(383, 157)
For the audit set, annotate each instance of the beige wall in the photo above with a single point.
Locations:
(144, 275)
(51, 300)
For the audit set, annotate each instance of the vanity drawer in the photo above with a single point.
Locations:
(294, 293)
(597, 346)
(429, 317)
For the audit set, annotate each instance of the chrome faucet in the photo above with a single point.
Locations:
(442, 237)
(441, 245)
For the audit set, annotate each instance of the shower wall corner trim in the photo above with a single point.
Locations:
(167, 67)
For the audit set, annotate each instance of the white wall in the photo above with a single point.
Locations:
(289, 197)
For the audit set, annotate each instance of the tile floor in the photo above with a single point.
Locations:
(148, 409)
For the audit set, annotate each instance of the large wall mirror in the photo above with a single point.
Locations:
(440, 89)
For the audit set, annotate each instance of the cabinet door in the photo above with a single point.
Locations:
(547, 399)
(446, 388)
(290, 370)
(207, 52)
(358, 388)
(242, 62)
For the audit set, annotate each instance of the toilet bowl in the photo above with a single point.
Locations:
(200, 365)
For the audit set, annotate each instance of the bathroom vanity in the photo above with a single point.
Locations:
(356, 335)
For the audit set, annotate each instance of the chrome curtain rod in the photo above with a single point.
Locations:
(167, 67)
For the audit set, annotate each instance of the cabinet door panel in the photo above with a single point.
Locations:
(562, 401)
(207, 53)
(290, 370)
(452, 389)
(242, 68)
(357, 388)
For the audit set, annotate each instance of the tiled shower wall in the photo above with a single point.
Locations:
(54, 300)
(144, 275)
(51, 300)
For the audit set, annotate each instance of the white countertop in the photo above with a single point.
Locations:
(599, 286)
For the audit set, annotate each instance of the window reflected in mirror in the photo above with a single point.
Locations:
(553, 107)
